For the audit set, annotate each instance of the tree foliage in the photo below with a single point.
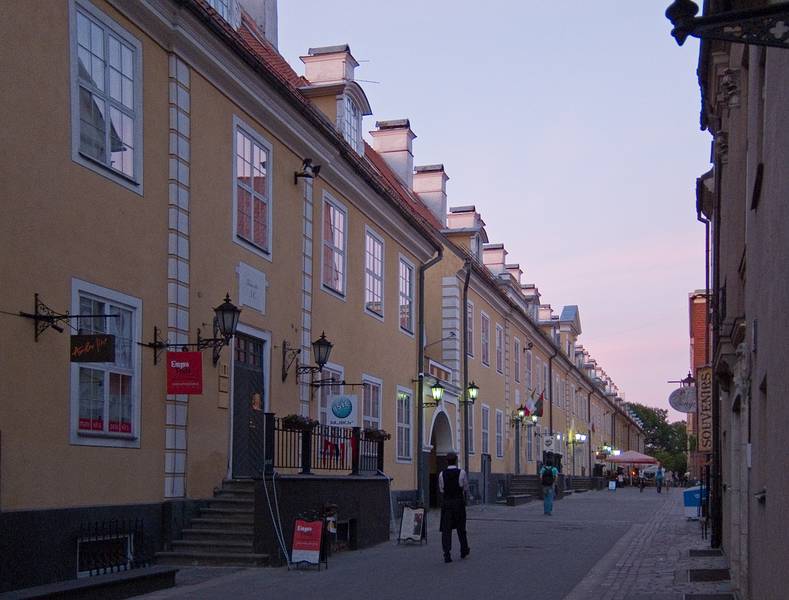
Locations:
(667, 442)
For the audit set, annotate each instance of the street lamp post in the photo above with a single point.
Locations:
(518, 416)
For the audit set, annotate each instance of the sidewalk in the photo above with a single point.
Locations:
(651, 561)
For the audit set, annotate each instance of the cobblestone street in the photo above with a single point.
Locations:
(601, 545)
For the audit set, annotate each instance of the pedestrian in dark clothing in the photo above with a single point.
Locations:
(453, 485)
(548, 475)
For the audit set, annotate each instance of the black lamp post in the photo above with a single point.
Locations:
(471, 393)
(762, 26)
(321, 351)
(437, 392)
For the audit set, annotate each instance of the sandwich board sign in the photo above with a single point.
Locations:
(412, 525)
(307, 538)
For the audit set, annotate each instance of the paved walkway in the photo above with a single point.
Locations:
(598, 545)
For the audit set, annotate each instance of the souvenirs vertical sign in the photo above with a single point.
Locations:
(704, 388)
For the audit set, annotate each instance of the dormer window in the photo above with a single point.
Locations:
(352, 124)
(476, 247)
(228, 10)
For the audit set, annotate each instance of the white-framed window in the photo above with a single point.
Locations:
(371, 403)
(546, 380)
(499, 348)
(406, 295)
(105, 397)
(330, 371)
(471, 429)
(404, 401)
(335, 241)
(529, 383)
(485, 335)
(499, 434)
(470, 328)
(529, 442)
(485, 429)
(106, 96)
(252, 190)
(373, 273)
(516, 363)
(352, 124)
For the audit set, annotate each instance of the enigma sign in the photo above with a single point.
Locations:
(704, 390)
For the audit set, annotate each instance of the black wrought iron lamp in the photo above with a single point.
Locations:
(437, 393)
(321, 351)
(762, 26)
(472, 392)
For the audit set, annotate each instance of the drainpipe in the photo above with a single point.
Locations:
(420, 417)
(589, 418)
(464, 325)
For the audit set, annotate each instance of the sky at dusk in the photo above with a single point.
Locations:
(573, 127)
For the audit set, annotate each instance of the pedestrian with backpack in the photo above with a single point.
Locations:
(548, 475)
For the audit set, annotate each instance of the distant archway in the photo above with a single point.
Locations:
(441, 442)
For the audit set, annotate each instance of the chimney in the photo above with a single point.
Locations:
(494, 257)
(430, 184)
(329, 64)
(393, 141)
(264, 12)
(515, 271)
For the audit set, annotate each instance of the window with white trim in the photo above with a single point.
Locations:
(485, 334)
(105, 396)
(334, 244)
(106, 94)
(326, 391)
(470, 328)
(371, 405)
(406, 295)
(499, 349)
(403, 425)
(499, 434)
(373, 273)
(471, 429)
(352, 124)
(517, 359)
(529, 385)
(546, 380)
(485, 429)
(252, 190)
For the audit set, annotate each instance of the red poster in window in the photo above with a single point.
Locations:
(184, 373)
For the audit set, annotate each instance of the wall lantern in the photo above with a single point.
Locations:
(580, 438)
(472, 391)
(437, 391)
(308, 171)
(225, 323)
(534, 419)
(321, 351)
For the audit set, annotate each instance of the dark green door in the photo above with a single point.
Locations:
(248, 406)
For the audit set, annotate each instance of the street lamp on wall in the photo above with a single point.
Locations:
(472, 391)
(763, 26)
(321, 351)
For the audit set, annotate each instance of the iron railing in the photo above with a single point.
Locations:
(111, 546)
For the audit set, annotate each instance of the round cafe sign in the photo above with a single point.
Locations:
(341, 407)
(683, 399)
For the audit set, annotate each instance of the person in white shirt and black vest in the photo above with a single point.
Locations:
(453, 485)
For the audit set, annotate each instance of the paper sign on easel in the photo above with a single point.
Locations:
(307, 542)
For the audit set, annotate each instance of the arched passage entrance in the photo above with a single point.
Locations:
(441, 442)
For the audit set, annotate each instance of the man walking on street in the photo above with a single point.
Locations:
(659, 478)
(453, 485)
(548, 475)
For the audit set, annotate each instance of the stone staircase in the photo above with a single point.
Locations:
(222, 535)
(523, 488)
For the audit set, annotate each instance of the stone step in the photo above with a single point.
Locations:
(219, 534)
(232, 502)
(239, 514)
(516, 499)
(215, 545)
(238, 485)
(235, 493)
(222, 523)
(247, 559)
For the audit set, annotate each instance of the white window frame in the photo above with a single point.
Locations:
(107, 439)
(411, 269)
(546, 379)
(325, 390)
(499, 349)
(485, 428)
(484, 344)
(499, 434)
(407, 427)
(352, 123)
(134, 182)
(256, 138)
(529, 371)
(373, 381)
(470, 327)
(369, 232)
(516, 349)
(329, 199)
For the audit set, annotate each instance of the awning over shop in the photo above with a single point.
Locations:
(631, 457)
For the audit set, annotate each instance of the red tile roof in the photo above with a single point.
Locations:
(262, 47)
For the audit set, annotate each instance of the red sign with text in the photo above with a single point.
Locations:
(307, 541)
(184, 373)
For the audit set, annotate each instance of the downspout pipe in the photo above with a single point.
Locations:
(420, 366)
(464, 325)
(589, 418)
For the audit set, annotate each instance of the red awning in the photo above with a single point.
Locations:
(631, 457)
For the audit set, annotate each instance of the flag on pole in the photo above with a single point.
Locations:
(538, 407)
